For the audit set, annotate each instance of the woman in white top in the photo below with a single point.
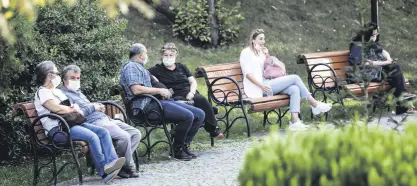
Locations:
(48, 99)
(252, 60)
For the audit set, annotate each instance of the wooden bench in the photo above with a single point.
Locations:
(326, 73)
(145, 124)
(225, 89)
(42, 145)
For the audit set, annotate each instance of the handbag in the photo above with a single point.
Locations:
(271, 69)
(364, 73)
(72, 119)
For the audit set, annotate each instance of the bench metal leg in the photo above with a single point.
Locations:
(77, 165)
(212, 141)
(35, 167)
(225, 119)
(136, 160)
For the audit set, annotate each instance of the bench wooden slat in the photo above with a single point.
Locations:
(229, 86)
(231, 93)
(271, 105)
(111, 111)
(228, 72)
(302, 57)
(330, 60)
(238, 78)
(335, 66)
(210, 68)
(270, 98)
(232, 85)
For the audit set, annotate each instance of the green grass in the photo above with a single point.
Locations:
(292, 28)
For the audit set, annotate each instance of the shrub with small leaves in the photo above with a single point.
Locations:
(82, 34)
(192, 24)
(357, 155)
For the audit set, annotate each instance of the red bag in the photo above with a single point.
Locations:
(271, 68)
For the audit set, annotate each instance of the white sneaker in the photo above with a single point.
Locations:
(297, 126)
(114, 165)
(321, 108)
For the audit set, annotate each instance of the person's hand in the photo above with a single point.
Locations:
(266, 88)
(77, 109)
(265, 51)
(165, 93)
(99, 107)
(369, 62)
(190, 95)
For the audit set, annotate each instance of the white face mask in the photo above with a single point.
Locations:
(373, 38)
(56, 81)
(145, 60)
(74, 85)
(168, 61)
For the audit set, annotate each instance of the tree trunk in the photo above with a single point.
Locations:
(214, 26)
(163, 7)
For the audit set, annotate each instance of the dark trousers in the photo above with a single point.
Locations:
(188, 119)
(395, 78)
(210, 123)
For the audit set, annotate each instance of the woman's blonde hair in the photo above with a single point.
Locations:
(253, 36)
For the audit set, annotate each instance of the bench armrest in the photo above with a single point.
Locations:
(325, 80)
(63, 126)
(159, 111)
(114, 103)
(226, 95)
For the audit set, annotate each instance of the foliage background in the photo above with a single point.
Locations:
(81, 34)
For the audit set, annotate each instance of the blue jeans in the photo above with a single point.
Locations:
(188, 119)
(291, 85)
(99, 142)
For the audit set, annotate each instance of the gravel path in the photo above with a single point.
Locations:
(214, 166)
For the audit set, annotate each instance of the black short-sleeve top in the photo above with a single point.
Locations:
(176, 79)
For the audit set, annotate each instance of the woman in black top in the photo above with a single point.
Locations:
(178, 77)
(376, 56)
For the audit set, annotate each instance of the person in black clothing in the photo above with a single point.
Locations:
(376, 55)
(178, 77)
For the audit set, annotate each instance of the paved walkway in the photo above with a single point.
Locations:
(214, 166)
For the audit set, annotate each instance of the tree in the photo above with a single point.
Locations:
(28, 8)
(213, 21)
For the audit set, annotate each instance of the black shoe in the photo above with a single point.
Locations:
(123, 174)
(187, 151)
(132, 173)
(181, 155)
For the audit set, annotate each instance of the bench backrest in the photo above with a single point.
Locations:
(338, 60)
(119, 90)
(29, 111)
(223, 88)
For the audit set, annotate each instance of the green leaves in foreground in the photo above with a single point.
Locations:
(357, 155)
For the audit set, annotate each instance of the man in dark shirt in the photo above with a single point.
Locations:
(178, 77)
(136, 80)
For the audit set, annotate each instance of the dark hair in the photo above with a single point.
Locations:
(42, 70)
(136, 49)
(366, 32)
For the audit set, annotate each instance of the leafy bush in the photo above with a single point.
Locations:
(357, 155)
(192, 24)
(82, 35)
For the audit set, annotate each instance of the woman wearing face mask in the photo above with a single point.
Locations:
(377, 56)
(178, 77)
(252, 60)
(48, 99)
